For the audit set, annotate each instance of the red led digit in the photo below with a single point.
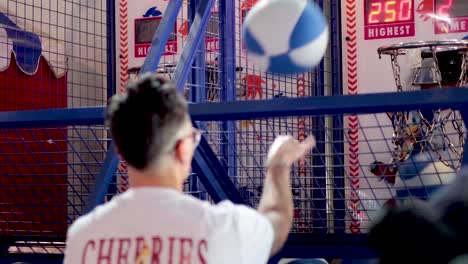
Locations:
(406, 8)
(376, 9)
(390, 13)
(443, 9)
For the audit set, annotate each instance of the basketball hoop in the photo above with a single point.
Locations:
(430, 64)
(166, 69)
(427, 66)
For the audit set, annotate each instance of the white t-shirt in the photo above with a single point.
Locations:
(158, 225)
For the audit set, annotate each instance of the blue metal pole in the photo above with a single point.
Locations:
(339, 203)
(198, 81)
(195, 36)
(219, 186)
(103, 180)
(319, 202)
(111, 49)
(198, 76)
(227, 64)
(111, 64)
(36, 258)
(245, 110)
(212, 172)
(348, 246)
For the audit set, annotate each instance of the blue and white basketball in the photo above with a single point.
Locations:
(286, 36)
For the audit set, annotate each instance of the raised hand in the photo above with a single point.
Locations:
(286, 150)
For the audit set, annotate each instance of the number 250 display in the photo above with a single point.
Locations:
(388, 11)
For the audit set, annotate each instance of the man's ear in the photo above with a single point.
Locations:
(182, 149)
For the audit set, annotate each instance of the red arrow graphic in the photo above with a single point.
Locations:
(350, 7)
(351, 32)
(351, 25)
(352, 76)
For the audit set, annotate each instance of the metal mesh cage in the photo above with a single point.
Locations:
(48, 172)
(53, 55)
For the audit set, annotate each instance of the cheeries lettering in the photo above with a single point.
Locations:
(179, 250)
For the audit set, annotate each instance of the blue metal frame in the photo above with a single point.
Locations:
(205, 164)
(195, 36)
(338, 137)
(198, 76)
(198, 79)
(227, 62)
(53, 117)
(456, 98)
(319, 199)
(36, 258)
(111, 49)
(111, 65)
(326, 246)
(106, 174)
(331, 105)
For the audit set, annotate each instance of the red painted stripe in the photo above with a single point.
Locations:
(123, 57)
(353, 133)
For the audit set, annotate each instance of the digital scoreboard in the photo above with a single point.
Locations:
(144, 33)
(451, 16)
(388, 18)
(388, 11)
(452, 8)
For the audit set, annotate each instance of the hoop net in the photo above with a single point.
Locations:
(428, 65)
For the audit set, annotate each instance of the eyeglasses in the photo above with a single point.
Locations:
(195, 135)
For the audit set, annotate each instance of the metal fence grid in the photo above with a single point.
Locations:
(65, 64)
(47, 175)
(328, 202)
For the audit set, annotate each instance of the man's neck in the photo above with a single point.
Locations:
(162, 179)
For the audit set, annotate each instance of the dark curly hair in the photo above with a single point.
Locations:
(145, 119)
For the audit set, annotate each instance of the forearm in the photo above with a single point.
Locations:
(276, 203)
